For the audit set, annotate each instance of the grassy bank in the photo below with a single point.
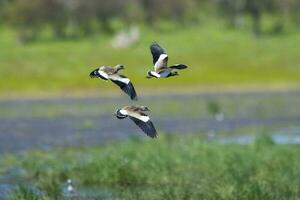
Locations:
(216, 56)
(166, 168)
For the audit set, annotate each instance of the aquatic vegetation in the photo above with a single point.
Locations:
(171, 167)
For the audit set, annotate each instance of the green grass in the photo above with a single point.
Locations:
(166, 168)
(216, 56)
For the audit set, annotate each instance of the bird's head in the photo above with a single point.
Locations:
(119, 115)
(95, 73)
(145, 108)
(119, 67)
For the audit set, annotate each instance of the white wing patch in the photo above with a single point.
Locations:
(123, 112)
(124, 80)
(144, 118)
(118, 78)
(102, 73)
(162, 57)
(160, 62)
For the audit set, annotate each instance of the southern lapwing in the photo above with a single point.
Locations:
(138, 116)
(111, 73)
(160, 62)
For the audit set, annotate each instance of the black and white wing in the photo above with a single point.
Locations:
(156, 51)
(178, 66)
(146, 125)
(125, 84)
(160, 58)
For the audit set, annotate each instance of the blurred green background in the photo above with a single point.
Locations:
(50, 46)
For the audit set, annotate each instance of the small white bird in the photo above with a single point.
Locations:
(160, 62)
(111, 73)
(70, 187)
(137, 115)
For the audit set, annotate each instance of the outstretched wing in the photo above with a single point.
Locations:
(125, 84)
(146, 126)
(156, 51)
(178, 66)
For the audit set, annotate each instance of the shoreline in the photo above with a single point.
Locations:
(150, 91)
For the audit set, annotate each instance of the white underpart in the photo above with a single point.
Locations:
(123, 112)
(160, 62)
(155, 74)
(70, 188)
(164, 73)
(102, 73)
(144, 118)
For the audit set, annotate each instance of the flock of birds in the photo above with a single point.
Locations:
(135, 112)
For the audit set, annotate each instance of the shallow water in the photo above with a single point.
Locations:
(278, 137)
(5, 190)
(89, 192)
(48, 123)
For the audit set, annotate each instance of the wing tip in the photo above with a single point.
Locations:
(153, 132)
(179, 66)
(134, 98)
(153, 43)
(152, 135)
(184, 66)
(132, 92)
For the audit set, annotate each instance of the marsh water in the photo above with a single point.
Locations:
(222, 117)
(48, 123)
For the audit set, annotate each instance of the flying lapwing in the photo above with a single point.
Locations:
(111, 73)
(160, 62)
(138, 116)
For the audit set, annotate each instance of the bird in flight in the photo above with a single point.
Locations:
(111, 73)
(139, 117)
(160, 62)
